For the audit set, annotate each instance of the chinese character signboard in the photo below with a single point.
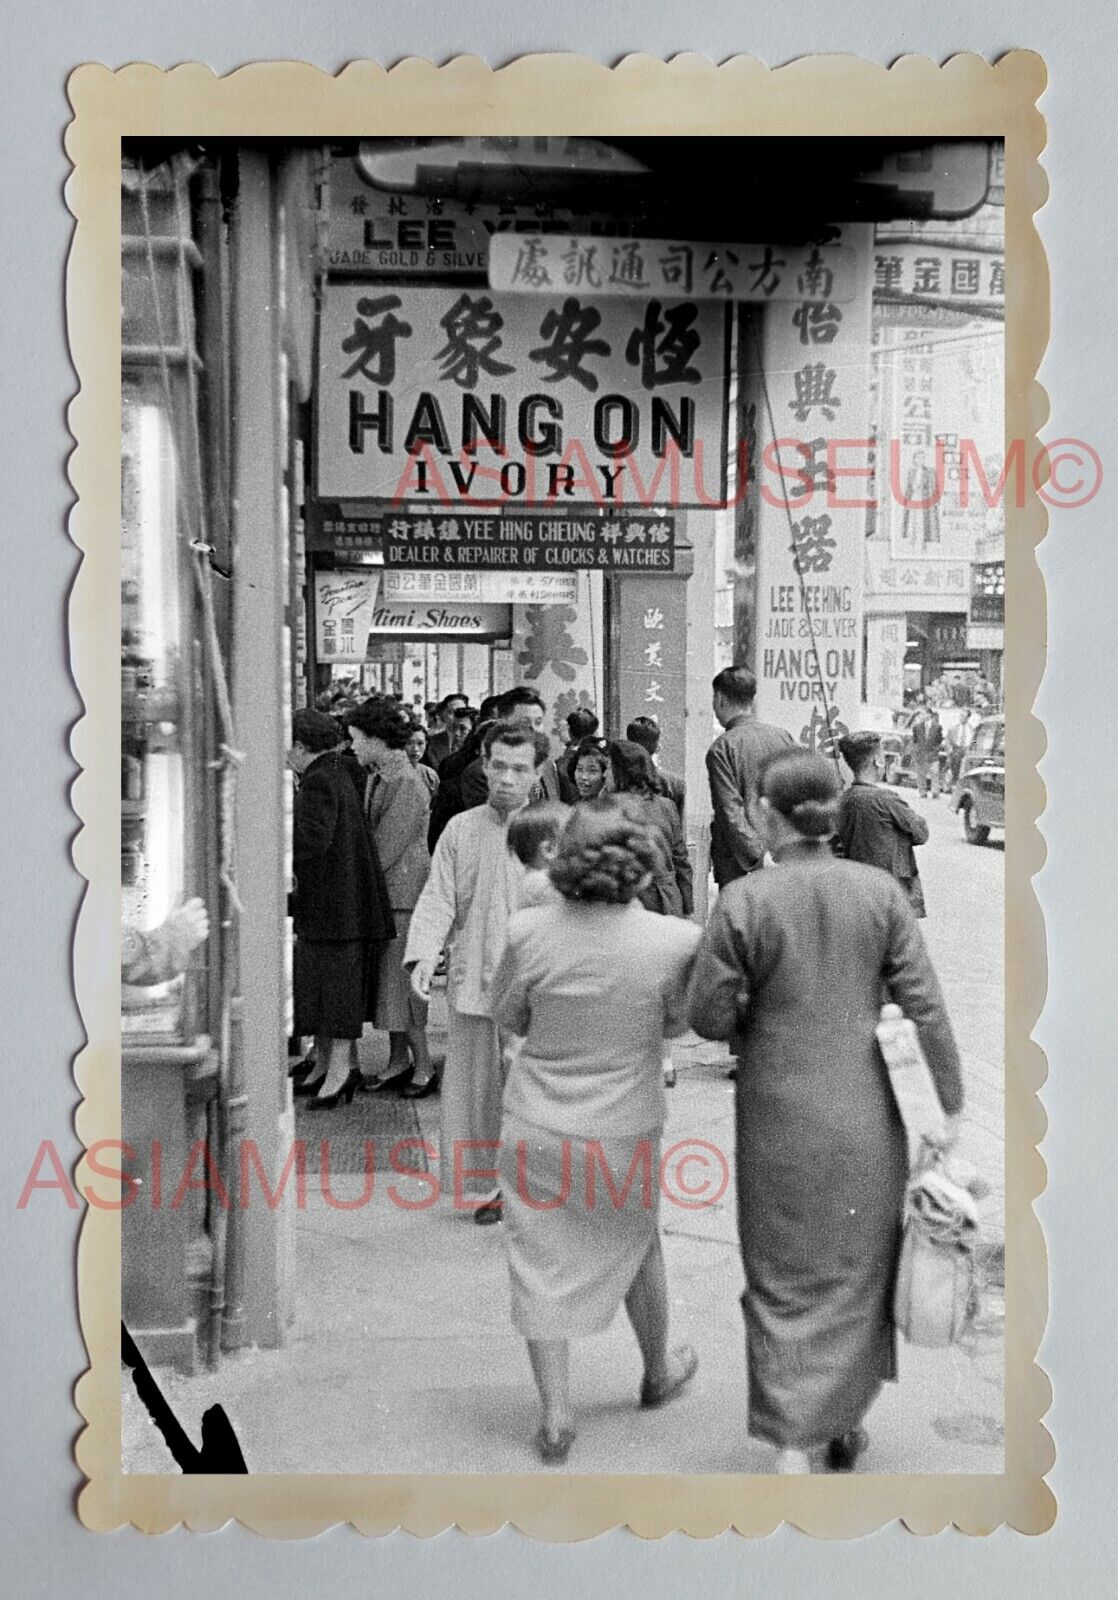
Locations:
(457, 398)
(551, 265)
(523, 541)
(652, 659)
(491, 588)
(895, 584)
(810, 551)
(886, 639)
(961, 278)
(349, 610)
(532, 543)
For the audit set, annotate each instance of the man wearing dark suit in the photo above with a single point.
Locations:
(440, 744)
(734, 763)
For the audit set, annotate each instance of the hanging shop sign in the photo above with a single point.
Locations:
(455, 398)
(490, 588)
(522, 541)
(550, 264)
(651, 619)
(350, 611)
(373, 231)
(896, 584)
(886, 637)
(532, 543)
(962, 278)
(811, 552)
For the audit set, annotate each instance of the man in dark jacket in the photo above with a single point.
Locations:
(874, 824)
(451, 799)
(734, 763)
(440, 743)
(927, 746)
(338, 903)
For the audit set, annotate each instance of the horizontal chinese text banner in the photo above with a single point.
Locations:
(491, 588)
(551, 265)
(532, 543)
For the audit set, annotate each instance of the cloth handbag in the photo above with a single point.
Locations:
(936, 1300)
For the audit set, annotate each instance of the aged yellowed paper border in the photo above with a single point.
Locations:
(560, 94)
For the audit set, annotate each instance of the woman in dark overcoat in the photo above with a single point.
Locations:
(338, 905)
(793, 968)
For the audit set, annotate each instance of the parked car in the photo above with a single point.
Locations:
(979, 795)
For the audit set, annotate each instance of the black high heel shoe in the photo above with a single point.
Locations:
(375, 1085)
(299, 1071)
(420, 1091)
(309, 1087)
(345, 1093)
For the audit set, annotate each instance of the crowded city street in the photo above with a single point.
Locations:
(561, 824)
(402, 1357)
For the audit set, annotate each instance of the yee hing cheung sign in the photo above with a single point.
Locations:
(457, 398)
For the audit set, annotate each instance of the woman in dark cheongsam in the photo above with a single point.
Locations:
(793, 967)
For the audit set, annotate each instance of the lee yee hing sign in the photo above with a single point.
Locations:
(351, 613)
(457, 398)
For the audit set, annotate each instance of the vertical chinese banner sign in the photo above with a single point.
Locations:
(886, 637)
(815, 359)
(652, 659)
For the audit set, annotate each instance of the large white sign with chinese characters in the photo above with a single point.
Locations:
(458, 399)
(551, 264)
(814, 376)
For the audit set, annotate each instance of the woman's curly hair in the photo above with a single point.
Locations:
(605, 853)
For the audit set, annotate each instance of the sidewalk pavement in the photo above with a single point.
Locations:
(402, 1359)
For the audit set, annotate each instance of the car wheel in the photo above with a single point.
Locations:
(976, 832)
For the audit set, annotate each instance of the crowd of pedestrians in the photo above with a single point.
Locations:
(556, 894)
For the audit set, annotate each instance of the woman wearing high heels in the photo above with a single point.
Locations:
(591, 982)
(398, 810)
(337, 904)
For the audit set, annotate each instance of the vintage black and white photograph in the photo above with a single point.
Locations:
(562, 800)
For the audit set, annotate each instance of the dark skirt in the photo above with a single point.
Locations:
(331, 983)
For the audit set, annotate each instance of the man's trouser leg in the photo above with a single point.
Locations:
(470, 1110)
